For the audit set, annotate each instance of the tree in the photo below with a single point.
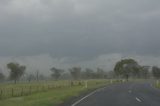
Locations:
(42, 77)
(144, 72)
(111, 74)
(31, 77)
(156, 72)
(16, 71)
(126, 68)
(2, 77)
(89, 73)
(56, 73)
(75, 72)
(37, 75)
(100, 73)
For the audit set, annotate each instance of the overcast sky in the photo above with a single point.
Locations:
(89, 33)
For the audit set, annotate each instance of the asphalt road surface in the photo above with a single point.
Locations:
(126, 94)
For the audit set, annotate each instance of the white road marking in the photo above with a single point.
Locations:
(130, 91)
(87, 96)
(138, 99)
(83, 98)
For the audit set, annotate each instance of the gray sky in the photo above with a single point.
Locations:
(64, 33)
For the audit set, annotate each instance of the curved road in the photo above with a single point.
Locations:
(126, 94)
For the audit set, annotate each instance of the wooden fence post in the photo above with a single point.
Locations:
(22, 91)
(1, 92)
(30, 90)
(12, 90)
(48, 87)
(42, 88)
(37, 89)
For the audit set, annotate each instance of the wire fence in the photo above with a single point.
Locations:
(17, 91)
(13, 90)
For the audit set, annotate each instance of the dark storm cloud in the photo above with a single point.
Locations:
(79, 28)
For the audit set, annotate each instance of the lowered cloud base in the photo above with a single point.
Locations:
(45, 62)
(87, 33)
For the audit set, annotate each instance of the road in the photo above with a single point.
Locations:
(126, 94)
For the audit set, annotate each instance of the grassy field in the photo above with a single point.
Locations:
(48, 93)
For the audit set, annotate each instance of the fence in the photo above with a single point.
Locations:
(15, 90)
(24, 90)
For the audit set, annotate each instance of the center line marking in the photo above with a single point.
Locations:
(138, 99)
(130, 91)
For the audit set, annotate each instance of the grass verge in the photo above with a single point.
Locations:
(52, 97)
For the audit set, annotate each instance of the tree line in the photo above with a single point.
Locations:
(127, 68)
(124, 68)
(17, 71)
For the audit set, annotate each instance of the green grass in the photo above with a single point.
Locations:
(50, 97)
(22, 89)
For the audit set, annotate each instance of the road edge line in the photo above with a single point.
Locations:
(90, 94)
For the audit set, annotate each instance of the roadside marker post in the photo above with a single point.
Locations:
(123, 80)
(111, 81)
(86, 84)
(157, 82)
